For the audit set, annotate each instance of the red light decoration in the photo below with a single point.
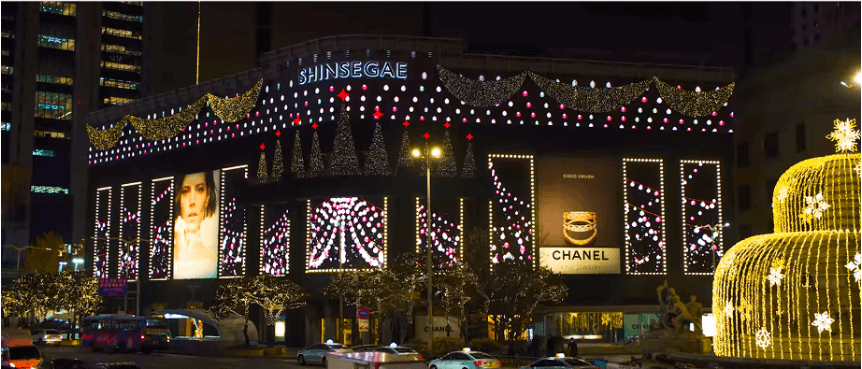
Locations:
(469, 137)
(314, 125)
(377, 114)
(278, 133)
(426, 135)
(262, 147)
(447, 125)
(343, 95)
(405, 124)
(297, 121)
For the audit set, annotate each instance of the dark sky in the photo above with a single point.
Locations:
(675, 33)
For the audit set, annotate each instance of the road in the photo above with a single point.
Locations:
(170, 361)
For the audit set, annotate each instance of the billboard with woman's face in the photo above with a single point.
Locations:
(196, 226)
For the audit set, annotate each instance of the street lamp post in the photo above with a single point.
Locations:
(435, 152)
(19, 249)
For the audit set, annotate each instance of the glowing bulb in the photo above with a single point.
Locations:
(416, 153)
(435, 152)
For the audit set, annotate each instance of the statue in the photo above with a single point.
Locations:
(696, 310)
(671, 332)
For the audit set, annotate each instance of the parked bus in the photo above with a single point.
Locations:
(123, 333)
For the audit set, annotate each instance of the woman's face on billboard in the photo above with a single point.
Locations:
(193, 200)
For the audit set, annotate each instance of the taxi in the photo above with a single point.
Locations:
(465, 359)
(561, 361)
(316, 354)
(19, 352)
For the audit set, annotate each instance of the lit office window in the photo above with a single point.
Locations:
(121, 66)
(119, 49)
(53, 105)
(58, 7)
(58, 43)
(7, 69)
(43, 152)
(121, 33)
(121, 16)
(126, 85)
(49, 189)
(54, 79)
(49, 134)
(113, 100)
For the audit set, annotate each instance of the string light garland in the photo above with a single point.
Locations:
(101, 243)
(644, 217)
(315, 160)
(228, 109)
(405, 158)
(167, 127)
(469, 168)
(592, 321)
(348, 232)
(702, 217)
(161, 228)
(233, 109)
(694, 104)
(297, 165)
(262, 171)
(130, 228)
(233, 226)
(512, 235)
(106, 138)
(274, 242)
(480, 93)
(277, 163)
(344, 161)
(446, 238)
(591, 100)
(377, 162)
(782, 291)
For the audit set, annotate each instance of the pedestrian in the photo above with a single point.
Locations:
(573, 348)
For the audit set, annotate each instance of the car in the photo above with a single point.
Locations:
(402, 351)
(124, 365)
(316, 354)
(47, 336)
(364, 348)
(560, 362)
(465, 359)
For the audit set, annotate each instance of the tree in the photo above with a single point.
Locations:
(517, 289)
(458, 286)
(377, 163)
(80, 296)
(44, 257)
(274, 295)
(344, 160)
(405, 157)
(297, 165)
(447, 167)
(262, 174)
(277, 163)
(469, 168)
(411, 277)
(315, 161)
(376, 289)
(235, 297)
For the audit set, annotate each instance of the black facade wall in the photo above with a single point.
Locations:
(541, 141)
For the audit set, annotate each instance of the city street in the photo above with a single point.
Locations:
(168, 361)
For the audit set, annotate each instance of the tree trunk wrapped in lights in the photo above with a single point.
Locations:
(274, 295)
(297, 165)
(277, 163)
(262, 172)
(235, 297)
(315, 161)
(377, 162)
(405, 157)
(469, 169)
(458, 285)
(344, 160)
(795, 294)
(447, 166)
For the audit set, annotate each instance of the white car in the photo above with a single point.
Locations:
(46, 336)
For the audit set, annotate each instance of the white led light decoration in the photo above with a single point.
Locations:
(161, 231)
(232, 242)
(274, 244)
(353, 228)
(447, 237)
(129, 254)
(702, 219)
(644, 230)
(518, 232)
(102, 233)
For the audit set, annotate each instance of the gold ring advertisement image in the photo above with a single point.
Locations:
(581, 192)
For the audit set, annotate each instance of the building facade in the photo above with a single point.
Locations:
(608, 173)
(60, 61)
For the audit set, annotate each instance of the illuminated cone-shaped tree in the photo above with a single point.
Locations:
(315, 161)
(262, 173)
(377, 163)
(344, 160)
(277, 163)
(447, 167)
(469, 169)
(297, 166)
(405, 158)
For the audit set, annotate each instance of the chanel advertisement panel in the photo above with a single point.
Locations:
(196, 226)
(581, 260)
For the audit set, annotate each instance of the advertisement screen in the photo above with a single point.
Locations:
(579, 214)
(196, 229)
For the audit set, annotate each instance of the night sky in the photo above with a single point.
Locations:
(673, 33)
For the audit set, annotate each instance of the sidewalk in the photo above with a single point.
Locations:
(276, 352)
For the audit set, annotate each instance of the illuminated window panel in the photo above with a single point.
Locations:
(512, 219)
(161, 227)
(702, 221)
(274, 240)
(129, 248)
(58, 7)
(447, 237)
(346, 233)
(644, 216)
(102, 232)
(233, 225)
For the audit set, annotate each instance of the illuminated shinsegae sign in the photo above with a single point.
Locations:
(352, 69)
